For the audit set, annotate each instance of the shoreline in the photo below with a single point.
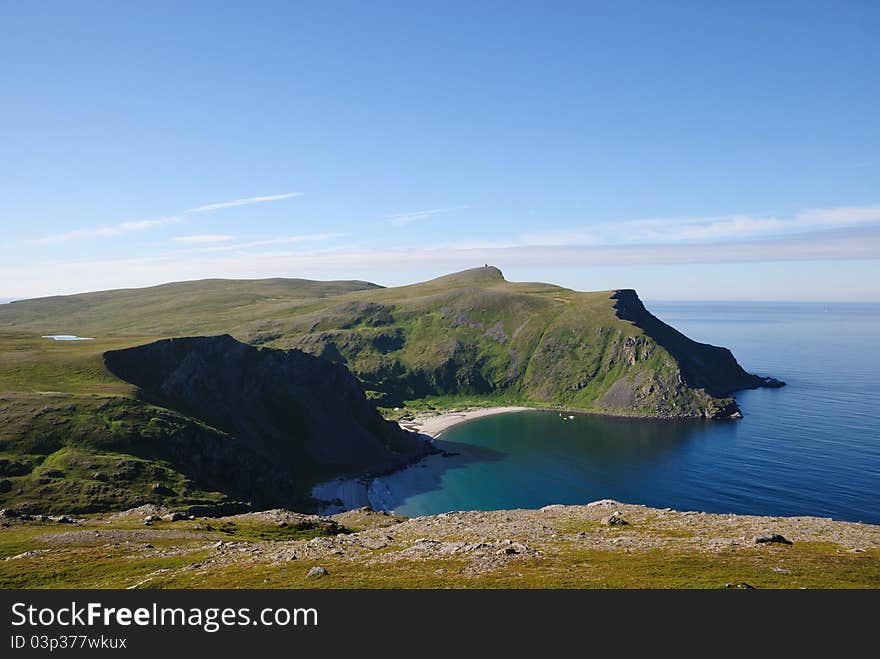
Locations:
(434, 425)
(343, 494)
(379, 492)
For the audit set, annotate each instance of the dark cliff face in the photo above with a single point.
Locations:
(703, 366)
(289, 416)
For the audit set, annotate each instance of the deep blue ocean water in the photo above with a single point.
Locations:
(811, 448)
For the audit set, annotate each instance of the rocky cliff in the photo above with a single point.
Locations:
(306, 417)
(209, 421)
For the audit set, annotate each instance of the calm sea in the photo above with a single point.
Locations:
(811, 448)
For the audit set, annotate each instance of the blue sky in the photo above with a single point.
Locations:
(688, 150)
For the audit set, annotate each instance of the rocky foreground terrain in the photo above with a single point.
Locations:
(601, 544)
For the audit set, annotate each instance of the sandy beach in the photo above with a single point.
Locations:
(434, 425)
(384, 492)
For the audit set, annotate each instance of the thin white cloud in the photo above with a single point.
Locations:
(204, 238)
(126, 227)
(708, 229)
(860, 243)
(831, 234)
(114, 230)
(402, 219)
(282, 240)
(242, 202)
(841, 215)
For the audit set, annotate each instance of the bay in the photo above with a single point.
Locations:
(811, 448)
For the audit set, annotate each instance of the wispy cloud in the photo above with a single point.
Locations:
(402, 219)
(142, 225)
(708, 229)
(840, 215)
(114, 230)
(858, 243)
(204, 238)
(242, 202)
(281, 240)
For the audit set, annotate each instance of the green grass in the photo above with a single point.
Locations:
(178, 309)
(86, 568)
(65, 453)
(93, 563)
(470, 334)
(31, 364)
(471, 339)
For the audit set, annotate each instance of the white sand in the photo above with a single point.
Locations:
(435, 425)
(351, 492)
(381, 493)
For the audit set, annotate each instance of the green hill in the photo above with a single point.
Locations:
(206, 420)
(131, 417)
(470, 335)
(208, 306)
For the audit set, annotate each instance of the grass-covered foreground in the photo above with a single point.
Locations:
(557, 547)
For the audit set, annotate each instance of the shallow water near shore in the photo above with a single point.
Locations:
(811, 448)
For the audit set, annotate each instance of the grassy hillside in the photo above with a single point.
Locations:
(209, 306)
(471, 334)
(189, 422)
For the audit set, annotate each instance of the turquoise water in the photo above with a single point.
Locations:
(811, 448)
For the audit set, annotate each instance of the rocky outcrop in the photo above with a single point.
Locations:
(285, 419)
(702, 366)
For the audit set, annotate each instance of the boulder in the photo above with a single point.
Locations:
(773, 538)
(317, 572)
(176, 516)
(616, 520)
(162, 490)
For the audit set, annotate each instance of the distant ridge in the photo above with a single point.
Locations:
(470, 333)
